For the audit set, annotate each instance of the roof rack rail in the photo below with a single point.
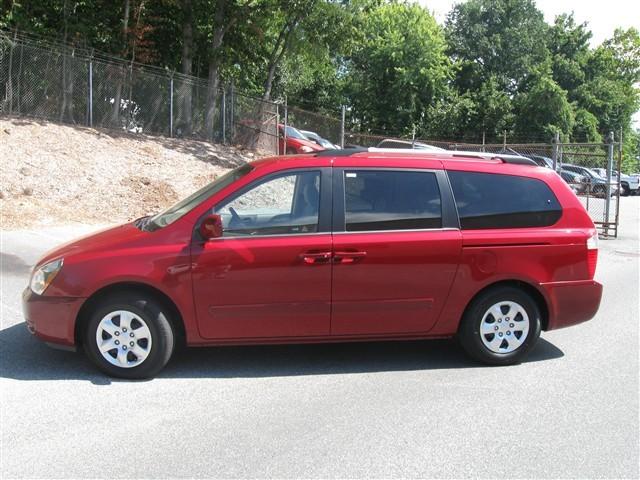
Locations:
(511, 159)
(343, 152)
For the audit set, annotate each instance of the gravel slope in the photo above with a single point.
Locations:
(54, 174)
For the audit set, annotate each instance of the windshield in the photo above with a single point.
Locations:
(327, 144)
(181, 208)
(323, 142)
(295, 133)
(585, 172)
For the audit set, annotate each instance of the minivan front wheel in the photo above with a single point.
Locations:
(129, 336)
(501, 326)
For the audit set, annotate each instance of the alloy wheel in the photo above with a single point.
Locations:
(504, 327)
(123, 338)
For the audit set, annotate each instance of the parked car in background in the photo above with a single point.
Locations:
(576, 181)
(296, 142)
(404, 144)
(339, 246)
(596, 185)
(323, 142)
(629, 185)
(542, 160)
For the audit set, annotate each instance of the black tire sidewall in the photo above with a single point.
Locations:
(156, 318)
(624, 190)
(469, 333)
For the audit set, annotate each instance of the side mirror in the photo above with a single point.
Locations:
(211, 227)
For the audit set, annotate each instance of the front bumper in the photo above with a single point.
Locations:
(52, 319)
(572, 302)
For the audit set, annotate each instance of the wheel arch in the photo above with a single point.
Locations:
(528, 288)
(92, 301)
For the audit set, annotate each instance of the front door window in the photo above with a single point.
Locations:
(285, 205)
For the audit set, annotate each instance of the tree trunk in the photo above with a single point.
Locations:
(115, 113)
(214, 67)
(185, 93)
(281, 46)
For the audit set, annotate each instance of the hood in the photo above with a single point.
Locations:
(308, 143)
(110, 237)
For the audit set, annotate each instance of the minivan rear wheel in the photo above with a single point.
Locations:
(500, 326)
(129, 336)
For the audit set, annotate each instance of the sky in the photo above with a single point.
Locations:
(602, 17)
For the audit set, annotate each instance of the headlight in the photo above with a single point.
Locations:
(44, 275)
(306, 149)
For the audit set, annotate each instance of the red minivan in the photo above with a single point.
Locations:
(330, 247)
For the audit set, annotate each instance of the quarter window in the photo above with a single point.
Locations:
(391, 200)
(486, 201)
(287, 204)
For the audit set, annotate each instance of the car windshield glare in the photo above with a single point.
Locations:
(295, 133)
(181, 208)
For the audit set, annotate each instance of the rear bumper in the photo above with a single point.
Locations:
(51, 319)
(572, 302)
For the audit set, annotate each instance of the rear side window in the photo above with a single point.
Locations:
(487, 200)
(391, 200)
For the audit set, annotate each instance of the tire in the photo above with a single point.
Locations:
(479, 328)
(599, 190)
(624, 190)
(144, 322)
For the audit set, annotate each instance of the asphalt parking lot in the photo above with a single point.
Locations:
(394, 409)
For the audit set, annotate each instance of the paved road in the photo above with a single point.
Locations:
(416, 409)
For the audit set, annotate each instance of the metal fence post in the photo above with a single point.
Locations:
(607, 204)
(277, 128)
(223, 112)
(342, 119)
(171, 106)
(232, 110)
(286, 120)
(554, 151)
(10, 83)
(90, 92)
(19, 82)
(619, 191)
(560, 154)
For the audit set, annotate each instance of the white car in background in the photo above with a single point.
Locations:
(323, 142)
(629, 184)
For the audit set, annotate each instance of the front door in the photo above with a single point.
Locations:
(395, 252)
(269, 275)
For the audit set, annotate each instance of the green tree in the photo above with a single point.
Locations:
(503, 39)
(397, 69)
(585, 128)
(569, 47)
(610, 89)
(544, 110)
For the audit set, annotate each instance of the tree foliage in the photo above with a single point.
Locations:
(397, 69)
(495, 66)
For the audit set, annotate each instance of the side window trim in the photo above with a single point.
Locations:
(449, 214)
(324, 214)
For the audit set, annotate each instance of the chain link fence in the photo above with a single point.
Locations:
(76, 86)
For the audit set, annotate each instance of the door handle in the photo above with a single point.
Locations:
(348, 257)
(311, 258)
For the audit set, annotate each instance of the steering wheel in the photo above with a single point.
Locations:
(234, 215)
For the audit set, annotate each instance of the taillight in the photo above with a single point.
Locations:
(592, 254)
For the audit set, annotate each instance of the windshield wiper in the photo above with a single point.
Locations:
(142, 222)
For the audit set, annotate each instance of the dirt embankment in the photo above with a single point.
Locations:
(58, 174)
